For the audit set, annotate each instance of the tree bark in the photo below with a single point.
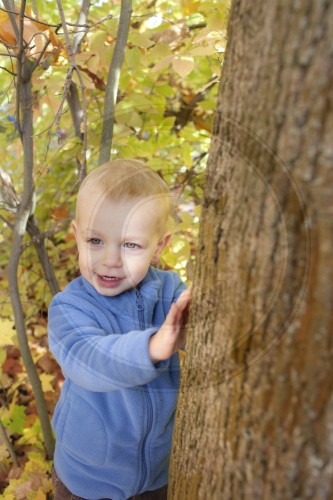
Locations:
(255, 414)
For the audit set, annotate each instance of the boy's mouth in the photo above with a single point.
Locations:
(109, 280)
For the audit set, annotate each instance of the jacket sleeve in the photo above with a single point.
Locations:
(94, 359)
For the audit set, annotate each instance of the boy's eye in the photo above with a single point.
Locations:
(130, 245)
(95, 241)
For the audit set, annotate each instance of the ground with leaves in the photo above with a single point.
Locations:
(28, 475)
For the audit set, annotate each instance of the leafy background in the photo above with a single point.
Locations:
(164, 116)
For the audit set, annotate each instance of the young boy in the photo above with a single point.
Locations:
(115, 332)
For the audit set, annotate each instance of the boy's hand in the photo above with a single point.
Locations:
(171, 336)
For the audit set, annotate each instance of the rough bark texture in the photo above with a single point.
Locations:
(255, 415)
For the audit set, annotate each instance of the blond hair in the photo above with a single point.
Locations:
(123, 180)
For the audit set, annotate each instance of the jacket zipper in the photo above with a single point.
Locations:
(144, 468)
(140, 308)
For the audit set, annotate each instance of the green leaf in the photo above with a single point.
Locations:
(140, 40)
(17, 419)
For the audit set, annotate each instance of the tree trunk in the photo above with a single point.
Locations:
(255, 414)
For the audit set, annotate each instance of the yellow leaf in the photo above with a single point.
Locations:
(203, 50)
(40, 495)
(46, 380)
(216, 21)
(183, 65)
(7, 333)
(140, 40)
(165, 61)
(190, 6)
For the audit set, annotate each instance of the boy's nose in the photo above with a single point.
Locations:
(112, 257)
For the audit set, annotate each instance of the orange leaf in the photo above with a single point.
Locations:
(60, 213)
(36, 36)
(6, 29)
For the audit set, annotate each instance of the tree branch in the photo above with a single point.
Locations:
(111, 89)
(73, 94)
(8, 71)
(71, 53)
(75, 109)
(38, 240)
(25, 210)
(9, 195)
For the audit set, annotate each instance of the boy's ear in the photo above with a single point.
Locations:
(163, 242)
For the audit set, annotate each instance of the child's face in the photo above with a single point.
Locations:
(117, 242)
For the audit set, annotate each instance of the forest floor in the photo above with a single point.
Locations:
(24, 468)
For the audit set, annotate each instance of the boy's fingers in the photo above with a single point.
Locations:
(184, 299)
(172, 314)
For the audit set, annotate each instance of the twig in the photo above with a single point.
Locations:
(8, 71)
(8, 55)
(111, 89)
(9, 445)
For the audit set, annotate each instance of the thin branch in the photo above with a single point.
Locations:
(83, 17)
(20, 41)
(9, 445)
(8, 55)
(100, 21)
(58, 25)
(6, 221)
(41, 55)
(75, 109)
(73, 94)
(71, 53)
(8, 71)
(9, 195)
(113, 80)
(12, 14)
(38, 240)
(35, 8)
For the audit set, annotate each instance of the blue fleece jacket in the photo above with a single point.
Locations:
(114, 419)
